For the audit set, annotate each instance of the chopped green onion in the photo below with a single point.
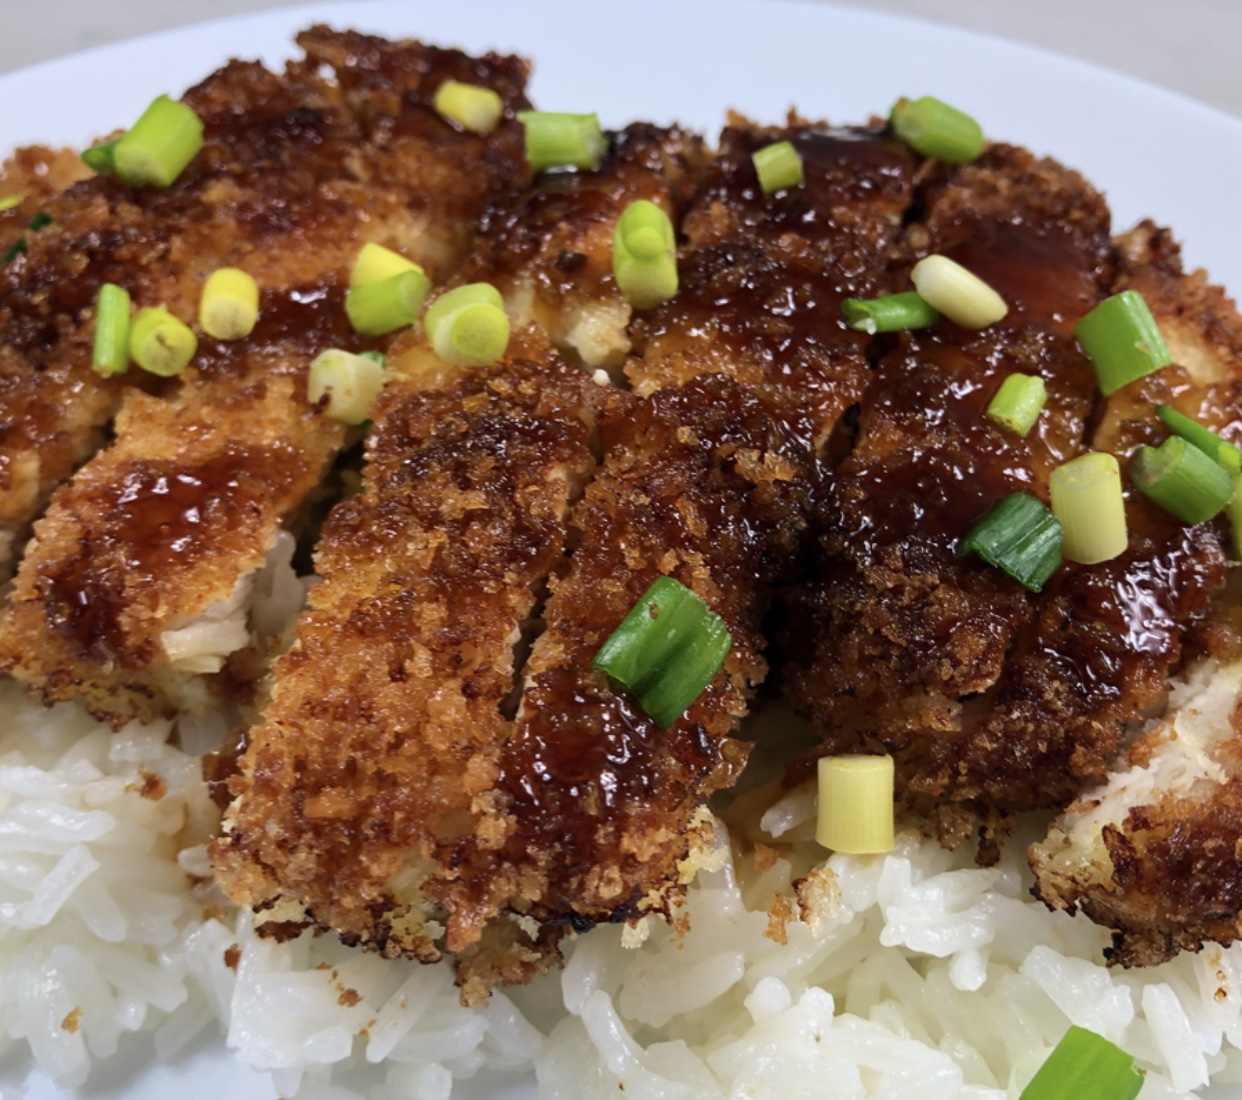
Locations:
(159, 145)
(375, 263)
(350, 383)
(378, 308)
(40, 221)
(111, 352)
(1212, 445)
(558, 140)
(1181, 479)
(1087, 500)
(1122, 340)
(933, 128)
(10, 201)
(1234, 511)
(891, 313)
(160, 343)
(1018, 402)
(855, 804)
(1020, 537)
(229, 308)
(959, 294)
(1084, 1064)
(644, 255)
(468, 326)
(473, 108)
(666, 650)
(778, 166)
(375, 357)
(101, 158)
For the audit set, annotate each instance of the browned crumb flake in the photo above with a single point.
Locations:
(819, 898)
(780, 913)
(152, 786)
(72, 1022)
(765, 856)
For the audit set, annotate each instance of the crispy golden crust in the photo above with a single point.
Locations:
(386, 720)
(296, 172)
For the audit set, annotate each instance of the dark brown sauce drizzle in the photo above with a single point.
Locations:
(775, 284)
(293, 327)
(584, 758)
(159, 517)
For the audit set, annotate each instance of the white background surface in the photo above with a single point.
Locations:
(1189, 46)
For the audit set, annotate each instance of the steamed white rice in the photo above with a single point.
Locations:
(910, 976)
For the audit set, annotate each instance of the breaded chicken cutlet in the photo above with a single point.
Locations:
(580, 809)
(484, 563)
(993, 700)
(135, 586)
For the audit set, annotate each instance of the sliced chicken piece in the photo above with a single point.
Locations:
(134, 592)
(1153, 853)
(900, 645)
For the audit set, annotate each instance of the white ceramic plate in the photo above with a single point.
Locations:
(1156, 154)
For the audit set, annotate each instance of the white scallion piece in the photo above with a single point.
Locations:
(855, 810)
(351, 382)
(1086, 498)
(957, 293)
